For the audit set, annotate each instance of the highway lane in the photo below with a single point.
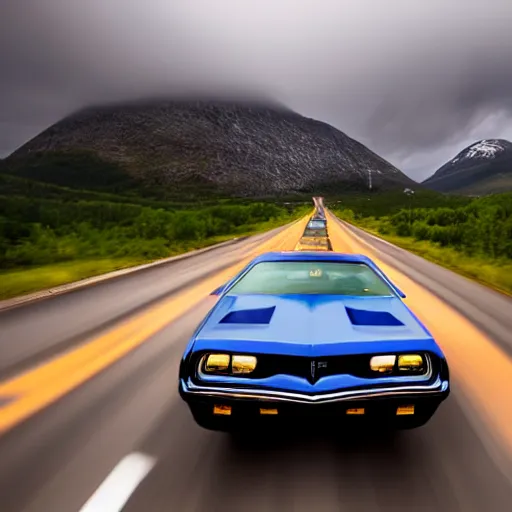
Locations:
(488, 309)
(45, 327)
(80, 358)
(56, 460)
(478, 351)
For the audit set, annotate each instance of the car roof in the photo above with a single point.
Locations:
(313, 256)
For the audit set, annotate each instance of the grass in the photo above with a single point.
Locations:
(22, 281)
(493, 273)
(471, 236)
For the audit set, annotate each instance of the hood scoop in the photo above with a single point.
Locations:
(249, 316)
(372, 318)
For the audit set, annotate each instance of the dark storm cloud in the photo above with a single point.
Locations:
(415, 80)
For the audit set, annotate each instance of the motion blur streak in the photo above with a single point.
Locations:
(64, 456)
(39, 387)
(481, 369)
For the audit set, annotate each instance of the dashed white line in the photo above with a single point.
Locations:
(115, 491)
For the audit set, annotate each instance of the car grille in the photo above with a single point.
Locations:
(313, 369)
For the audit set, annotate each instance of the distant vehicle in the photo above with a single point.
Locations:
(308, 232)
(319, 214)
(321, 336)
(314, 243)
(317, 224)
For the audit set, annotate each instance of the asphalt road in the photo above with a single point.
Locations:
(126, 431)
(47, 326)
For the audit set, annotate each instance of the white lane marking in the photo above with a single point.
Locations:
(114, 492)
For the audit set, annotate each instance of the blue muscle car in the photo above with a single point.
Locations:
(322, 335)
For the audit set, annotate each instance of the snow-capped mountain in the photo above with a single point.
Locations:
(483, 149)
(482, 168)
(242, 148)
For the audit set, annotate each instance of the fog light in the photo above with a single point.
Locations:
(222, 410)
(243, 364)
(217, 363)
(382, 364)
(405, 410)
(268, 411)
(356, 412)
(411, 363)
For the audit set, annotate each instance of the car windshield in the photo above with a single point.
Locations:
(316, 224)
(312, 277)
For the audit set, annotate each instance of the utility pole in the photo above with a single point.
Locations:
(409, 193)
(370, 179)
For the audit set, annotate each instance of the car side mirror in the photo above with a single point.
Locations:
(218, 290)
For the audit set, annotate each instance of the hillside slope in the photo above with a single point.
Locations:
(482, 168)
(242, 148)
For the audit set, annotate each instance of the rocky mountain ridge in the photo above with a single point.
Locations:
(241, 148)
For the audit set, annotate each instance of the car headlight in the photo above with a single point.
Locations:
(217, 363)
(401, 364)
(227, 364)
(243, 364)
(383, 364)
(411, 363)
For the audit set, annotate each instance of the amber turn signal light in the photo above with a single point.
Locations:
(268, 411)
(405, 410)
(222, 410)
(356, 412)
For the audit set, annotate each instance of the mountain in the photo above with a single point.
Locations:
(485, 167)
(187, 146)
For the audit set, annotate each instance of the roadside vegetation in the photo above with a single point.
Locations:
(472, 236)
(51, 235)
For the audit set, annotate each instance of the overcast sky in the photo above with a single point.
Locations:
(415, 80)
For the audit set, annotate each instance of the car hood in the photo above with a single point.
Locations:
(311, 320)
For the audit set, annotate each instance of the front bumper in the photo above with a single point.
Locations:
(249, 409)
(437, 391)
